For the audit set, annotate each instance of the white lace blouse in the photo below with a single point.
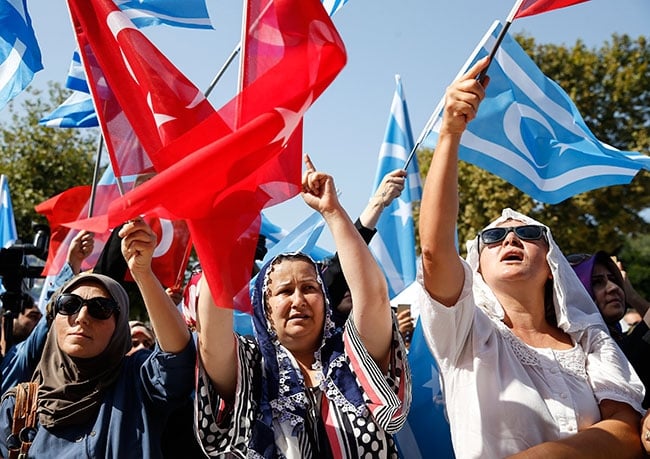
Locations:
(503, 396)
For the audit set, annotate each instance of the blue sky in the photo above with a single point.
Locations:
(425, 41)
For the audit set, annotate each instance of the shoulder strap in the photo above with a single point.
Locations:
(23, 428)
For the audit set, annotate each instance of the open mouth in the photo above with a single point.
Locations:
(512, 256)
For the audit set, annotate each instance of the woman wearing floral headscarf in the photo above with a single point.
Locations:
(306, 386)
(93, 400)
(528, 367)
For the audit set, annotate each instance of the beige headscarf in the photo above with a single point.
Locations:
(71, 389)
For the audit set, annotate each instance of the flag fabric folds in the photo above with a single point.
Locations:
(426, 432)
(394, 244)
(531, 7)
(274, 234)
(8, 232)
(145, 101)
(77, 111)
(170, 255)
(529, 132)
(143, 13)
(191, 14)
(20, 56)
(234, 163)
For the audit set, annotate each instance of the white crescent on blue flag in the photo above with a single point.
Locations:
(426, 433)
(8, 232)
(529, 132)
(394, 244)
(20, 56)
(191, 14)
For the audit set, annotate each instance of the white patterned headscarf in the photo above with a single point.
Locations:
(574, 308)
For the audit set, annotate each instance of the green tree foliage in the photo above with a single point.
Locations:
(41, 162)
(611, 88)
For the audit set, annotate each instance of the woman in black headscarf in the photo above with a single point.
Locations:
(93, 400)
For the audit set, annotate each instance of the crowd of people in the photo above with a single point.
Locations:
(533, 359)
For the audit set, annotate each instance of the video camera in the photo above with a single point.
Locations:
(18, 263)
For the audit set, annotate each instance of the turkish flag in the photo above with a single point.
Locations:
(142, 100)
(531, 7)
(230, 166)
(170, 255)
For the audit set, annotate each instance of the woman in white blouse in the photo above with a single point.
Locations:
(527, 365)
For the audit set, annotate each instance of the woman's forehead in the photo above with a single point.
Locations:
(510, 222)
(90, 287)
(289, 266)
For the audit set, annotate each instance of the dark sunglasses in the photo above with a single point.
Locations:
(101, 308)
(525, 233)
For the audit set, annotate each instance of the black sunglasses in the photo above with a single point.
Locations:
(101, 308)
(525, 232)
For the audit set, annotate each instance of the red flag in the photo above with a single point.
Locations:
(170, 256)
(136, 89)
(531, 7)
(60, 209)
(220, 183)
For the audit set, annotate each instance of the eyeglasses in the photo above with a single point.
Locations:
(525, 233)
(577, 258)
(100, 308)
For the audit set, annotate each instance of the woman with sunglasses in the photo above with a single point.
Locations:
(528, 367)
(93, 400)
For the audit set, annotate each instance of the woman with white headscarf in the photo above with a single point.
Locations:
(528, 367)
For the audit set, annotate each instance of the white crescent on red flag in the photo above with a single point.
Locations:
(230, 166)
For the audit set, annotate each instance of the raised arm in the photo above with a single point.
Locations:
(391, 187)
(138, 244)
(217, 349)
(371, 310)
(443, 271)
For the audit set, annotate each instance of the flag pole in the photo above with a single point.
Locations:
(98, 157)
(480, 78)
(502, 34)
(223, 69)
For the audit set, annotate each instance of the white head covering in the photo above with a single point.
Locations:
(574, 308)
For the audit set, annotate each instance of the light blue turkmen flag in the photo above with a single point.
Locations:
(177, 13)
(8, 232)
(394, 244)
(530, 133)
(20, 56)
(275, 234)
(77, 111)
(426, 432)
(302, 238)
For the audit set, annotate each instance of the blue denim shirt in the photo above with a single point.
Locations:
(131, 417)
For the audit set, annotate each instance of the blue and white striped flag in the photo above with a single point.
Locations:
(8, 232)
(77, 111)
(529, 132)
(394, 244)
(20, 56)
(332, 6)
(76, 79)
(191, 14)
